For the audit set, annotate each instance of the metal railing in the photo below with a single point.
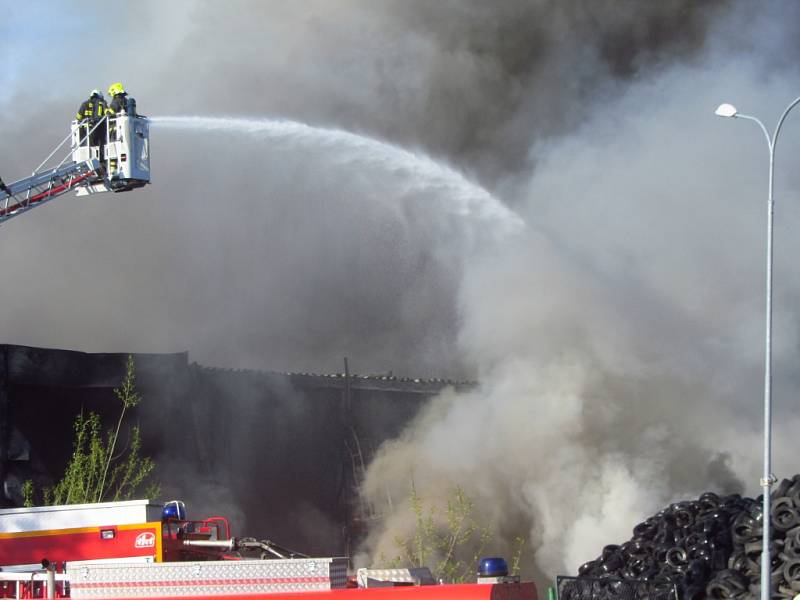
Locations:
(35, 584)
(81, 142)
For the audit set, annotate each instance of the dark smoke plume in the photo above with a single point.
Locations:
(618, 338)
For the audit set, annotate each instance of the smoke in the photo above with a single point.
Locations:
(618, 339)
(620, 344)
(270, 254)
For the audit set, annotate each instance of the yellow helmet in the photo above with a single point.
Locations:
(115, 88)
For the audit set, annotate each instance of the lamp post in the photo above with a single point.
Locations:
(728, 110)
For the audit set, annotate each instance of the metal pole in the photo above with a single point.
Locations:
(51, 581)
(348, 486)
(767, 478)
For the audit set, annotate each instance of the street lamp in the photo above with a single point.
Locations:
(728, 110)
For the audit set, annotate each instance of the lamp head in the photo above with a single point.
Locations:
(726, 110)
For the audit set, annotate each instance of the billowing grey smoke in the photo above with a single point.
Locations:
(286, 259)
(618, 341)
(470, 80)
(620, 344)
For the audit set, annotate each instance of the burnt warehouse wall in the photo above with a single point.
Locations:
(279, 454)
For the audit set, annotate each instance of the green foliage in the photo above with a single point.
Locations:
(85, 465)
(95, 473)
(448, 543)
(519, 544)
(27, 493)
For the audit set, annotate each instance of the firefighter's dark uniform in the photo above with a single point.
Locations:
(117, 105)
(90, 112)
(4, 187)
(120, 103)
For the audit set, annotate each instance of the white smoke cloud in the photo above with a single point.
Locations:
(621, 342)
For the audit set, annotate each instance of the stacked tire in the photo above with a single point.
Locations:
(709, 548)
(742, 579)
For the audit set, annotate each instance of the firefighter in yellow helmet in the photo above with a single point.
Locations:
(120, 102)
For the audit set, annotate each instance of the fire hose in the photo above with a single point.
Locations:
(266, 548)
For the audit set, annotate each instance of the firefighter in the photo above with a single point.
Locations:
(120, 102)
(93, 108)
(4, 187)
(90, 113)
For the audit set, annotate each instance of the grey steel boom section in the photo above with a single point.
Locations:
(40, 188)
(45, 179)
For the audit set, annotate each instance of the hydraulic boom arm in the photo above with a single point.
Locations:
(38, 189)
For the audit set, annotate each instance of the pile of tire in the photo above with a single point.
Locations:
(709, 548)
(742, 579)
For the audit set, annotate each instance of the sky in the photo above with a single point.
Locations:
(536, 195)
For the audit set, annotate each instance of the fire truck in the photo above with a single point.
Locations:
(142, 549)
(109, 155)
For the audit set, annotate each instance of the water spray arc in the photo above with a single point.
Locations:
(469, 199)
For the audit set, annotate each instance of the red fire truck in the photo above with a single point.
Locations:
(141, 549)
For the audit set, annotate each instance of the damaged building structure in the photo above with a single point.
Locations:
(280, 454)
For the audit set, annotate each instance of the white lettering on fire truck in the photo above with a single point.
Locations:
(146, 539)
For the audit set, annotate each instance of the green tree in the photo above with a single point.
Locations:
(95, 472)
(448, 543)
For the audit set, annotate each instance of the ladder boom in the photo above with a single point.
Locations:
(38, 189)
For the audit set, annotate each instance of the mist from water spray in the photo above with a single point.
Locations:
(350, 149)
